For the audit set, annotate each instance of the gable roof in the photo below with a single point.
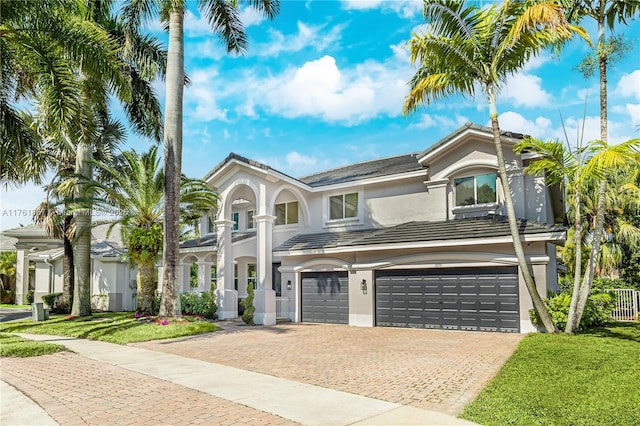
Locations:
(468, 127)
(366, 170)
(418, 232)
(371, 169)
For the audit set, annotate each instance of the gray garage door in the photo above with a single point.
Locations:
(325, 297)
(484, 299)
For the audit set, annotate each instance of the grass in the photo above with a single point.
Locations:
(119, 327)
(587, 379)
(10, 306)
(14, 346)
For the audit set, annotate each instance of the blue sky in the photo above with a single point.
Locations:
(323, 84)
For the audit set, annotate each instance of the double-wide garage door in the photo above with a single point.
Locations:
(483, 299)
(325, 297)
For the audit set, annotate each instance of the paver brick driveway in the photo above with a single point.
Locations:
(431, 369)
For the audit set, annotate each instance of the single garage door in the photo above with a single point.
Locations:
(325, 297)
(484, 299)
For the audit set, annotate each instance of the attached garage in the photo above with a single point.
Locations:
(325, 297)
(483, 299)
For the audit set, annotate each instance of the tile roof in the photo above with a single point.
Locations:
(366, 170)
(457, 229)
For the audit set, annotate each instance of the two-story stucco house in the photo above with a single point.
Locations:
(415, 240)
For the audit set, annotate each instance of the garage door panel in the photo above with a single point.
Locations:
(325, 298)
(474, 299)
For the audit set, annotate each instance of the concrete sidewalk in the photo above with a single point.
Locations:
(299, 402)
(17, 409)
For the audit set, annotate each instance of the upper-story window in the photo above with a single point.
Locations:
(251, 222)
(343, 206)
(473, 190)
(236, 219)
(286, 213)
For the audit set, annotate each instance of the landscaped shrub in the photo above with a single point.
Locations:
(597, 310)
(157, 298)
(53, 302)
(29, 297)
(203, 304)
(7, 296)
(249, 309)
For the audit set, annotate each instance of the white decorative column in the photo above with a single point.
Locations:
(204, 275)
(265, 298)
(226, 295)
(184, 272)
(22, 276)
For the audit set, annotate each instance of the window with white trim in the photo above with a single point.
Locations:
(236, 218)
(474, 190)
(286, 213)
(343, 206)
(251, 222)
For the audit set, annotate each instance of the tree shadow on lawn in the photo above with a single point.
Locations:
(617, 330)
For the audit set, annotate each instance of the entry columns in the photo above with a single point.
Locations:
(22, 276)
(204, 275)
(265, 297)
(226, 295)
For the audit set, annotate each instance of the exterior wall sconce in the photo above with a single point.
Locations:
(288, 284)
(363, 286)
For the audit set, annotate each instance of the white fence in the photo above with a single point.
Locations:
(282, 308)
(626, 305)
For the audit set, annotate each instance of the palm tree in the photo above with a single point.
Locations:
(41, 45)
(57, 223)
(134, 186)
(605, 13)
(223, 16)
(469, 46)
(582, 173)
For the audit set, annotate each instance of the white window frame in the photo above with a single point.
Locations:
(235, 217)
(475, 191)
(286, 213)
(251, 219)
(326, 208)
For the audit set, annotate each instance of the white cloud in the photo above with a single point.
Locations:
(633, 110)
(629, 85)
(295, 164)
(195, 26)
(404, 8)
(307, 36)
(514, 122)
(209, 48)
(250, 16)
(428, 121)
(319, 88)
(525, 90)
(201, 103)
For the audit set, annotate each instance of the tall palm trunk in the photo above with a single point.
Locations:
(596, 241)
(67, 267)
(587, 280)
(538, 303)
(170, 305)
(82, 260)
(146, 286)
(572, 318)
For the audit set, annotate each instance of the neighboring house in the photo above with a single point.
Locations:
(113, 280)
(416, 240)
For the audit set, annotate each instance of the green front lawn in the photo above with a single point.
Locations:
(15, 346)
(12, 306)
(588, 379)
(119, 327)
